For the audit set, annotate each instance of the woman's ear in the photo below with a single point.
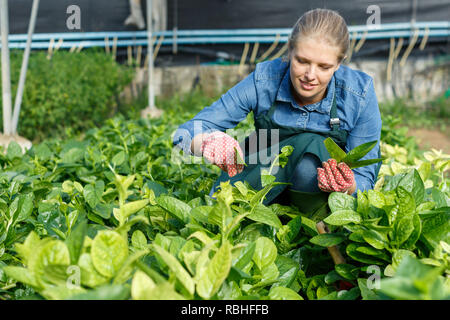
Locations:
(339, 64)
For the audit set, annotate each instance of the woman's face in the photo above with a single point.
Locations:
(313, 62)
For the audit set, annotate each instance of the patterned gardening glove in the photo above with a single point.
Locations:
(218, 148)
(335, 177)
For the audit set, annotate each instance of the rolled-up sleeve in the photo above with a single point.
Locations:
(223, 114)
(367, 128)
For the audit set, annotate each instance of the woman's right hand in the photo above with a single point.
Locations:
(219, 148)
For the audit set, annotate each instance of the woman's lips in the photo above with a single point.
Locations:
(307, 86)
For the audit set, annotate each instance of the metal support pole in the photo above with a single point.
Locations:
(175, 27)
(6, 80)
(23, 70)
(151, 94)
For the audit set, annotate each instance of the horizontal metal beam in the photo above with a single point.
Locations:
(282, 32)
(212, 40)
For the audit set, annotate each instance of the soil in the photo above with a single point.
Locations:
(428, 139)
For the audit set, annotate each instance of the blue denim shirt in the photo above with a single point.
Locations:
(357, 109)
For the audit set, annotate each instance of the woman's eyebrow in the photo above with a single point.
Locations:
(324, 64)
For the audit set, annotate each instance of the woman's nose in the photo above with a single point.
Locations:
(310, 73)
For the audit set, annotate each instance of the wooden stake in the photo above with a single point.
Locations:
(390, 60)
(409, 49)
(424, 39)
(352, 47)
(158, 45)
(59, 44)
(80, 47)
(129, 56)
(398, 48)
(254, 52)
(139, 56)
(107, 45)
(361, 41)
(72, 49)
(243, 58)
(114, 48)
(271, 48)
(280, 52)
(50, 49)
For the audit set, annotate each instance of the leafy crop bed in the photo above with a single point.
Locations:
(114, 216)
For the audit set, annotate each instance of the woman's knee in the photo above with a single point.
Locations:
(305, 174)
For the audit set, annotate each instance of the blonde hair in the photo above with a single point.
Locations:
(328, 24)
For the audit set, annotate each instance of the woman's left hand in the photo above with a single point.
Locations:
(335, 177)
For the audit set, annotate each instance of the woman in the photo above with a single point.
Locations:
(307, 98)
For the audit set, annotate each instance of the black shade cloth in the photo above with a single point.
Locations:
(109, 15)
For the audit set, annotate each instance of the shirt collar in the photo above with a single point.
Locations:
(323, 106)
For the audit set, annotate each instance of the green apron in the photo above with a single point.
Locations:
(303, 141)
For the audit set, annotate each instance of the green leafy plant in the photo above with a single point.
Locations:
(137, 223)
(351, 158)
(69, 92)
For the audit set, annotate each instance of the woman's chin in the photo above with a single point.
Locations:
(306, 96)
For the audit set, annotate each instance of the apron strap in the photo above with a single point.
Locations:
(334, 120)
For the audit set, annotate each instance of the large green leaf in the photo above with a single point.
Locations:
(75, 241)
(23, 207)
(138, 240)
(141, 286)
(412, 182)
(328, 239)
(375, 239)
(61, 292)
(245, 256)
(282, 293)
(364, 163)
(14, 150)
(342, 217)
(107, 292)
(352, 252)
(28, 250)
(360, 151)
(341, 201)
(265, 252)
(403, 229)
(216, 272)
(406, 202)
(334, 150)
(175, 207)
(54, 252)
(347, 271)
(263, 214)
(288, 269)
(93, 193)
(90, 277)
(175, 266)
(366, 293)
(376, 198)
(121, 214)
(415, 235)
(109, 251)
(20, 274)
(363, 203)
(144, 291)
(436, 228)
